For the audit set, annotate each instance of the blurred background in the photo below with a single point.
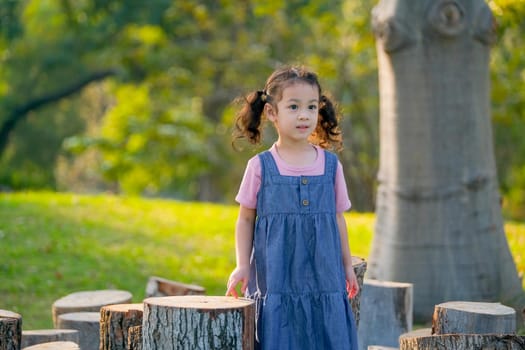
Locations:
(135, 97)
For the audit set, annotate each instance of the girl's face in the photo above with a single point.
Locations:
(297, 112)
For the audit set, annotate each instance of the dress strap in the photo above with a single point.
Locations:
(268, 165)
(330, 165)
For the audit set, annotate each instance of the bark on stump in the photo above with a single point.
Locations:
(88, 326)
(40, 336)
(10, 330)
(115, 321)
(473, 318)
(198, 322)
(386, 313)
(161, 287)
(88, 301)
(463, 342)
(359, 266)
(55, 345)
(135, 338)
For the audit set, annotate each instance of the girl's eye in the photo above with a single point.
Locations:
(293, 107)
(312, 107)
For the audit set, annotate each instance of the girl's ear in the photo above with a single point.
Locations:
(270, 112)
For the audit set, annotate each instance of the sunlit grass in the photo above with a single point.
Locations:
(55, 244)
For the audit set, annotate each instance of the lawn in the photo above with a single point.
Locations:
(53, 244)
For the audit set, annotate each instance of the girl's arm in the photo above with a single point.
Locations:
(243, 249)
(352, 287)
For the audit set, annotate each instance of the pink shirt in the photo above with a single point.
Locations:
(251, 181)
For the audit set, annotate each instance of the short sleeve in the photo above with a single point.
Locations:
(342, 201)
(250, 184)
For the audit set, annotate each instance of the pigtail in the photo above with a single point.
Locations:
(328, 132)
(248, 121)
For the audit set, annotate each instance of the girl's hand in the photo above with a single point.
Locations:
(239, 275)
(352, 286)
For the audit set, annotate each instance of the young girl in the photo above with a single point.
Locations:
(293, 256)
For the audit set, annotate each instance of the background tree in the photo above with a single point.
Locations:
(508, 102)
(438, 218)
(178, 66)
(182, 63)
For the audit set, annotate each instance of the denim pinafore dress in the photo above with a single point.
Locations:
(298, 280)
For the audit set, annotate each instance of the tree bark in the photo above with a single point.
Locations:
(88, 301)
(198, 322)
(115, 322)
(473, 318)
(10, 330)
(39, 336)
(386, 309)
(135, 338)
(88, 326)
(463, 342)
(359, 266)
(438, 218)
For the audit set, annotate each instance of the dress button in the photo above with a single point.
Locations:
(305, 202)
(304, 181)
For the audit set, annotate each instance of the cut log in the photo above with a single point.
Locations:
(38, 336)
(115, 321)
(10, 330)
(198, 322)
(473, 318)
(88, 326)
(421, 332)
(55, 345)
(386, 313)
(359, 266)
(135, 338)
(88, 301)
(463, 342)
(161, 287)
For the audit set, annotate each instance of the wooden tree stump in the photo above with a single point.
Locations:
(135, 338)
(463, 342)
(359, 266)
(115, 321)
(39, 336)
(386, 313)
(88, 326)
(198, 322)
(421, 332)
(161, 287)
(88, 301)
(55, 345)
(10, 330)
(473, 318)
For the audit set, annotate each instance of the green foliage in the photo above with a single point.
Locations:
(179, 65)
(508, 96)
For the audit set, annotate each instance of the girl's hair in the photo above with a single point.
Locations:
(249, 119)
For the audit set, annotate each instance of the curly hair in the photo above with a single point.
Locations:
(249, 119)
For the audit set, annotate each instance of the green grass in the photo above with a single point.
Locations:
(53, 244)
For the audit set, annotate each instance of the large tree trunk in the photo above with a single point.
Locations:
(439, 223)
